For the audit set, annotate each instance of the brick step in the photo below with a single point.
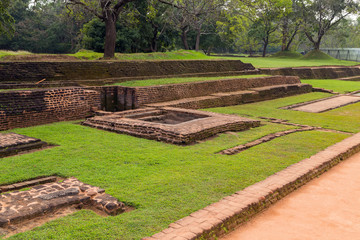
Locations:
(353, 78)
(224, 99)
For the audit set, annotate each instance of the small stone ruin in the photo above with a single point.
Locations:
(12, 144)
(17, 207)
(171, 125)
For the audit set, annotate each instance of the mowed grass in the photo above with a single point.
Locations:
(172, 55)
(165, 81)
(166, 182)
(343, 119)
(273, 62)
(335, 85)
(4, 53)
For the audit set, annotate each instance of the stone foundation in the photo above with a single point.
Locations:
(16, 207)
(171, 125)
(12, 144)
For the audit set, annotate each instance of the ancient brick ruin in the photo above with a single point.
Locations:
(171, 125)
(12, 144)
(21, 206)
(325, 72)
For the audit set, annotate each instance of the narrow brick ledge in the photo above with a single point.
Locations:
(221, 217)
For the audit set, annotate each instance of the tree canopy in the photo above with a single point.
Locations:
(6, 20)
(109, 26)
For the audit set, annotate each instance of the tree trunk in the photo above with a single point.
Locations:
(110, 36)
(285, 34)
(184, 38)
(266, 43)
(317, 45)
(154, 39)
(197, 44)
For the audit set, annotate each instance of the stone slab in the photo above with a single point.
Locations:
(328, 104)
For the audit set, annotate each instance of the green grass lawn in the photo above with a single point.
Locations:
(343, 119)
(4, 53)
(335, 85)
(164, 81)
(272, 62)
(163, 181)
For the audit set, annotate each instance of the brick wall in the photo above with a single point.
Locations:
(85, 70)
(138, 96)
(314, 72)
(29, 108)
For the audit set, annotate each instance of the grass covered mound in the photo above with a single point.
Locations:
(173, 55)
(317, 55)
(287, 54)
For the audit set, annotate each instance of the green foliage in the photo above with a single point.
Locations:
(6, 20)
(40, 28)
(319, 16)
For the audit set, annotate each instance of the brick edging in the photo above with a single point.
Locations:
(218, 218)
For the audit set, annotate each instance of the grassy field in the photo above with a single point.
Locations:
(167, 182)
(335, 85)
(164, 81)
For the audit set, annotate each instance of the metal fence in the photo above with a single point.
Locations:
(349, 54)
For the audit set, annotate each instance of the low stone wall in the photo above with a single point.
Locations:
(138, 96)
(35, 107)
(86, 70)
(332, 72)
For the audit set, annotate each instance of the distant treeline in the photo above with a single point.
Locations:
(63, 26)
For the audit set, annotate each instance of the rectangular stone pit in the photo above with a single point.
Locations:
(171, 125)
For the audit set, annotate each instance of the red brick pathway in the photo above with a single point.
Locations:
(324, 209)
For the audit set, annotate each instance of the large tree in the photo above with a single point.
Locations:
(193, 14)
(6, 20)
(108, 11)
(319, 16)
(265, 16)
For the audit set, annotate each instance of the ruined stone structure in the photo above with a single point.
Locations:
(26, 74)
(33, 107)
(171, 125)
(19, 206)
(12, 144)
